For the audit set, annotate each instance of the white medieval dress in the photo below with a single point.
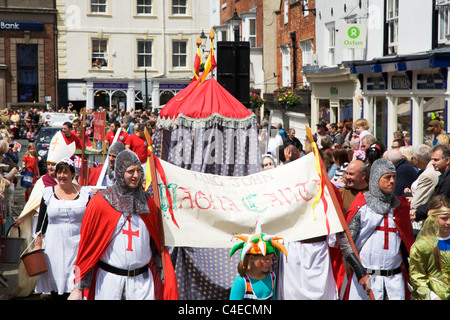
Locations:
(61, 239)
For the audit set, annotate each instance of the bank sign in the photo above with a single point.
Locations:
(18, 25)
(353, 36)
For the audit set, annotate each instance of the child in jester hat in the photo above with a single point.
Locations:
(256, 281)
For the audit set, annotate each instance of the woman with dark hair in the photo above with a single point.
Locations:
(58, 230)
(373, 153)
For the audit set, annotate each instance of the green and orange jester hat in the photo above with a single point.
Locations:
(258, 243)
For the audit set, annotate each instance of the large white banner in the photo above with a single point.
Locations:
(210, 209)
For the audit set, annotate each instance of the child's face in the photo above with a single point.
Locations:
(444, 225)
(359, 130)
(263, 263)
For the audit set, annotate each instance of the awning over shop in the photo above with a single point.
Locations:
(438, 58)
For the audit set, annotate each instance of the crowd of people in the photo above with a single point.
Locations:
(394, 200)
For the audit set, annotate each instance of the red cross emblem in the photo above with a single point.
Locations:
(386, 230)
(130, 233)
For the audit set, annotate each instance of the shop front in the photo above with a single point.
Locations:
(335, 95)
(404, 95)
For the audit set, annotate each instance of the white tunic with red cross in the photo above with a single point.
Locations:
(129, 249)
(378, 243)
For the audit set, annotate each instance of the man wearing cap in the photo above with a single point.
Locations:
(435, 128)
(321, 132)
(382, 233)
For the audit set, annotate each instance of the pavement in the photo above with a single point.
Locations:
(8, 270)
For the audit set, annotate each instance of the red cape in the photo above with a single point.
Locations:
(99, 223)
(402, 222)
(94, 174)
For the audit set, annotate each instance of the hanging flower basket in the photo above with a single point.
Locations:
(286, 97)
(255, 101)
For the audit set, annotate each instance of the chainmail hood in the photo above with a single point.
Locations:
(377, 200)
(120, 196)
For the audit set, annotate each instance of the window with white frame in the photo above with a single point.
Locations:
(99, 53)
(98, 6)
(331, 43)
(306, 5)
(444, 23)
(286, 65)
(179, 7)
(252, 32)
(392, 25)
(307, 52)
(179, 54)
(144, 53)
(144, 7)
(286, 11)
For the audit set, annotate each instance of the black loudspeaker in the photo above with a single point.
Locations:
(233, 69)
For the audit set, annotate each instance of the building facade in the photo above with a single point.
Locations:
(108, 48)
(336, 94)
(404, 78)
(28, 62)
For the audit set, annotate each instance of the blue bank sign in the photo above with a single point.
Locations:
(17, 25)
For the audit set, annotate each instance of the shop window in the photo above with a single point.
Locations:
(99, 53)
(144, 7)
(380, 119)
(433, 109)
(404, 117)
(324, 110)
(98, 6)
(27, 73)
(179, 54)
(144, 54)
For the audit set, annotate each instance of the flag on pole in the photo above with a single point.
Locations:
(198, 60)
(210, 63)
(318, 166)
(148, 173)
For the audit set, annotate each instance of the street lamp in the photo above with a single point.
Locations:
(203, 38)
(236, 23)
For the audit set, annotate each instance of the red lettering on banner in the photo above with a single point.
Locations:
(232, 204)
(274, 199)
(301, 186)
(188, 197)
(214, 203)
(201, 196)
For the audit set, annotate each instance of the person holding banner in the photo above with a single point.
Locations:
(380, 227)
(120, 247)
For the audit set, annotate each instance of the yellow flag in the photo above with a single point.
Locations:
(148, 172)
(317, 166)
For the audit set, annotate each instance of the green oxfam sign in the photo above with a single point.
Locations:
(353, 32)
(354, 36)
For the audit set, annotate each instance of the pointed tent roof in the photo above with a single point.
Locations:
(203, 105)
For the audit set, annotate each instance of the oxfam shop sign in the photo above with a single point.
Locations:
(354, 35)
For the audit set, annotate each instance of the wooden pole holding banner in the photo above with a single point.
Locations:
(156, 196)
(157, 199)
(84, 164)
(337, 206)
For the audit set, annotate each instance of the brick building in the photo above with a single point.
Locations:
(28, 67)
(296, 41)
